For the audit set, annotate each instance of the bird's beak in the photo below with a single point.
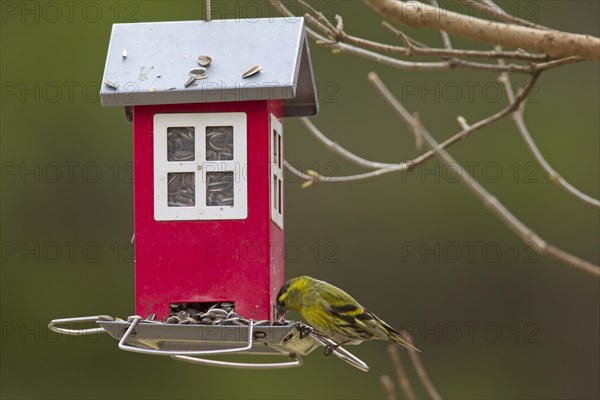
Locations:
(279, 312)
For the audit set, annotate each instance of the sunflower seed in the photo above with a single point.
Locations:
(111, 85)
(204, 60)
(191, 80)
(173, 320)
(105, 318)
(197, 71)
(150, 317)
(218, 312)
(182, 315)
(252, 71)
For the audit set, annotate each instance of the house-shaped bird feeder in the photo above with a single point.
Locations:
(207, 100)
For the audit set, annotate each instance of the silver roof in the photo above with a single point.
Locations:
(159, 56)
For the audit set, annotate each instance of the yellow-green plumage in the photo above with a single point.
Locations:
(334, 313)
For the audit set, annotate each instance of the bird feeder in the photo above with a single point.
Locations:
(207, 100)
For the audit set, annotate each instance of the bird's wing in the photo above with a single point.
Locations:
(362, 319)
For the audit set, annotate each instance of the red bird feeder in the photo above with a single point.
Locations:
(206, 100)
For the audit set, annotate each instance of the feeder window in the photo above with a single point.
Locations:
(276, 139)
(180, 144)
(198, 162)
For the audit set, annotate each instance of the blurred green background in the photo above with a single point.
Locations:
(494, 320)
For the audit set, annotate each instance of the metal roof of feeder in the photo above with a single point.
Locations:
(149, 63)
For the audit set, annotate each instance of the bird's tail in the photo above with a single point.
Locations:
(397, 338)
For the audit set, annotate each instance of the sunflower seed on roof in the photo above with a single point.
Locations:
(191, 80)
(150, 317)
(111, 85)
(173, 320)
(252, 71)
(204, 60)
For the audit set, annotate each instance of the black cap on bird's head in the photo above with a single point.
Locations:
(280, 307)
(290, 296)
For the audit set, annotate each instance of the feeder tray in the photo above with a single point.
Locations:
(187, 342)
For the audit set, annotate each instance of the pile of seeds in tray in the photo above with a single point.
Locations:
(217, 314)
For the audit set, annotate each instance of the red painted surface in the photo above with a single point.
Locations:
(238, 261)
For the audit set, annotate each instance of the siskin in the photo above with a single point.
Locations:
(334, 313)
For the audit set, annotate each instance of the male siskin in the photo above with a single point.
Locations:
(334, 313)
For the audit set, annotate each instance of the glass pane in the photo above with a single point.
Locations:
(219, 143)
(279, 151)
(279, 195)
(274, 158)
(219, 189)
(180, 144)
(182, 189)
(274, 191)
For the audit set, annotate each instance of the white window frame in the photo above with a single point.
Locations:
(200, 166)
(276, 173)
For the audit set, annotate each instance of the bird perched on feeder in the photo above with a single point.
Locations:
(334, 313)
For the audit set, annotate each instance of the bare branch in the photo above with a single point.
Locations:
(450, 52)
(511, 221)
(492, 8)
(554, 176)
(388, 387)
(348, 155)
(406, 166)
(342, 43)
(403, 380)
(416, 361)
(554, 43)
(284, 11)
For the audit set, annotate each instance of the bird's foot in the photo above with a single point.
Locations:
(304, 330)
(330, 348)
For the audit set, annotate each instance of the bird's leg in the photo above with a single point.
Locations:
(330, 348)
(304, 330)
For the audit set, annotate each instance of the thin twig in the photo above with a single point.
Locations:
(511, 221)
(284, 11)
(388, 387)
(554, 176)
(416, 361)
(403, 380)
(348, 155)
(410, 165)
(208, 11)
(492, 8)
(445, 37)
